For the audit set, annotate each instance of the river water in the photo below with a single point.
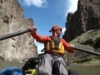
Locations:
(81, 70)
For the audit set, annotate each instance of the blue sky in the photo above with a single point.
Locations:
(46, 13)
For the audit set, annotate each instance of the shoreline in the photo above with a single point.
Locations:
(84, 65)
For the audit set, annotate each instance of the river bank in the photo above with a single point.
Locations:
(91, 63)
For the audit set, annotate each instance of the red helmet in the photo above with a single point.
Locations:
(55, 28)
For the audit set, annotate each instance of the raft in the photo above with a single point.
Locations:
(11, 71)
(18, 71)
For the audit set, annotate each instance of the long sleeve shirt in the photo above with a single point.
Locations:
(45, 39)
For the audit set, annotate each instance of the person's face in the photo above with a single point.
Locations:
(59, 32)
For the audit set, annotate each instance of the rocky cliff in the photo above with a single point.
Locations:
(82, 30)
(18, 48)
(86, 18)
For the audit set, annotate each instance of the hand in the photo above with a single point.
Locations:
(71, 45)
(32, 28)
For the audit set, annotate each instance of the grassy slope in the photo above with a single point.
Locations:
(85, 41)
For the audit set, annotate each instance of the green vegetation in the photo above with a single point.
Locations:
(88, 41)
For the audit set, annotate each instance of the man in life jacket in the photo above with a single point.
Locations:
(54, 48)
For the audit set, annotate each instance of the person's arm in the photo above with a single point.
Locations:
(41, 39)
(67, 47)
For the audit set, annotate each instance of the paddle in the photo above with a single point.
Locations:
(88, 51)
(27, 30)
(13, 34)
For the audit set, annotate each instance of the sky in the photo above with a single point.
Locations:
(46, 13)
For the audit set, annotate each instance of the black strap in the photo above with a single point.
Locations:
(51, 45)
(56, 43)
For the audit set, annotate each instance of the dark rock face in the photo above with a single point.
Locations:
(18, 48)
(82, 30)
(87, 17)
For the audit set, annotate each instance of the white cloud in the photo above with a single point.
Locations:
(63, 30)
(71, 6)
(37, 3)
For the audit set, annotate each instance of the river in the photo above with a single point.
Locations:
(81, 70)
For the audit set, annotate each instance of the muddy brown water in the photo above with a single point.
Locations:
(82, 70)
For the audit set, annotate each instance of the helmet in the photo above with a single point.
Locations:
(55, 28)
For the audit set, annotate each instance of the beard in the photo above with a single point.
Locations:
(58, 34)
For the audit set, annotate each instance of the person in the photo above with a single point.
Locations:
(52, 61)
